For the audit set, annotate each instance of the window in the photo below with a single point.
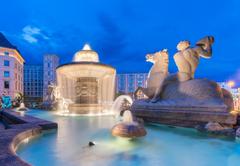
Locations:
(6, 84)
(6, 63)
(6, 53)
(6, 74)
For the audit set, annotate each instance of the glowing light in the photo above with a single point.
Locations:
(86, 47)
(231, 84)
(86, 55)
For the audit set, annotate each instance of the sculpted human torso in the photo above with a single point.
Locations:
(187, 61)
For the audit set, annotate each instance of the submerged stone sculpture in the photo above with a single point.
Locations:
(179, 99)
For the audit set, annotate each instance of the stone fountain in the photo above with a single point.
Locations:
(121, 104)
(128, 128)
(180, 99)
(89, 84)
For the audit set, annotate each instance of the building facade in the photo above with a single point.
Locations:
(50, 63)
(33, 84)
(11, 69)
(235, 94)
(128, 83)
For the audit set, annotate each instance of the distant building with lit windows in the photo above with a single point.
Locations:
(33, 84)
(128, 83)
(50, 63)
(11, 69)
(235, 93)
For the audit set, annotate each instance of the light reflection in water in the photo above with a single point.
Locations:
(162, 146)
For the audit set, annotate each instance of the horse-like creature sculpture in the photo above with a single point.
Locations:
(182, 100)
(156, 75)
(186, 59)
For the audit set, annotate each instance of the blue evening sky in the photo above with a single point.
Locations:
(123, 31)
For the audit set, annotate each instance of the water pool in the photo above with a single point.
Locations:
(163, 145)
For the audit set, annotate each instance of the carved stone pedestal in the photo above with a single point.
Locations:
(185, 116)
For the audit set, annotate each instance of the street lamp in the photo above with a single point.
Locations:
(231, 84)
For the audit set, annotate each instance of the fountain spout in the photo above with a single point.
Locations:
(128, 128)
(121, 104)
(127, 117)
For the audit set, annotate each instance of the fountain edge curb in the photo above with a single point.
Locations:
(11, 138)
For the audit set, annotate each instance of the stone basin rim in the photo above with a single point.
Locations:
(11, 138)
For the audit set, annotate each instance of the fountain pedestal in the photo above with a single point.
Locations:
(191, 116)
(189, 103)
(128, 130)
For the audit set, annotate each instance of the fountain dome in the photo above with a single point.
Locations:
(89, 84)
(86, 55)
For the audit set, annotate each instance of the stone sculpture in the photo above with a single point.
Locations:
(156, 75)
(186, 59)
(179, 99)
(54, 92)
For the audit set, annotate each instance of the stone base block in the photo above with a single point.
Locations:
(183, 116)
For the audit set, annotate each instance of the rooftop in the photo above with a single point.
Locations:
(5, 43)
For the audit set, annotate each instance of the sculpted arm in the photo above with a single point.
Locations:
(205, 53)
(204, 47)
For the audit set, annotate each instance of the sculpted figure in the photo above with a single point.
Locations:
(187, 58)
(54, 92)
(156, 75)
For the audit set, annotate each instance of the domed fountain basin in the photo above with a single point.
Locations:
(161, 146)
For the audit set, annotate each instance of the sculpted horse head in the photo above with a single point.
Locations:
(159, 59)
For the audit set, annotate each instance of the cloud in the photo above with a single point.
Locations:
(32, 34)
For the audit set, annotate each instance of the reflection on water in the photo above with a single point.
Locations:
(162, 146)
